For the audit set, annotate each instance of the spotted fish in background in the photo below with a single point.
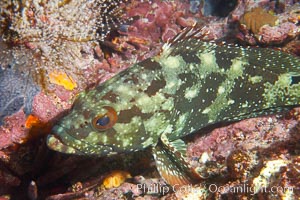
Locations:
(189, 85)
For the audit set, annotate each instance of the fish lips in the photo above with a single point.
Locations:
(63, 142)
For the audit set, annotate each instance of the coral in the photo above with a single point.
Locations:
(260, 27)
(275, 35)
(13, 132)
(154, 18)
(258, 18)
(48, 107)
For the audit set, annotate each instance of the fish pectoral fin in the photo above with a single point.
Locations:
(172, 164)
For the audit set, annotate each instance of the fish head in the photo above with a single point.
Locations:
(104, 121)
(100, 130)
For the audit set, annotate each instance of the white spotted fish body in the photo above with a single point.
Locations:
(188, 86)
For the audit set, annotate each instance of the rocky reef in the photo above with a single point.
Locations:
(44, 67)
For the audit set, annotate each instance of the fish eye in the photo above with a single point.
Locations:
(105, 121)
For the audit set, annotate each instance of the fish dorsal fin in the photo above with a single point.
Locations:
(171, 47)
(172, 164)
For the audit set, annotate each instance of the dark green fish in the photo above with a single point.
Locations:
(189, 85)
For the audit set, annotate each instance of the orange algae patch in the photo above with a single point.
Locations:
(32, 121)
(61, 78)
(115, 179)
(37, 128)
(257, 18)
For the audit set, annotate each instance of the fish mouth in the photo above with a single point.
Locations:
(59, 140)
(55, 144)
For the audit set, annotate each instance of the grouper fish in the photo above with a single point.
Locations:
(189, 85)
